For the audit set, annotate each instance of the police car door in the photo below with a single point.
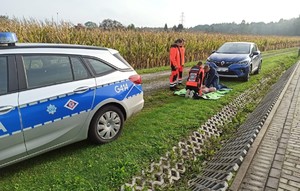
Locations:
(12, 144)
(57, 101)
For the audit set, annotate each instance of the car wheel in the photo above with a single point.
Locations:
(246, 77)
(258, 69)
(106, 125)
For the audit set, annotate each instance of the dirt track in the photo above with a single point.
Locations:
(158, 80)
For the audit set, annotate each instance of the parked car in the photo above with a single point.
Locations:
(52, 95)
(236, 60)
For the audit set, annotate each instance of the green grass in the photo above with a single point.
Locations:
(165, 120)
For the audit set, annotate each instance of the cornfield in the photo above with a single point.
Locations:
(141, 49)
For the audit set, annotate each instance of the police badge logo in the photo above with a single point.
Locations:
(71, 104)
(51, 109)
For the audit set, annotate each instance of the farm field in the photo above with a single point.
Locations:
(142, 49)
(164, 121)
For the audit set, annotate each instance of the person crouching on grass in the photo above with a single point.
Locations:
(212, 77)
(195, 80)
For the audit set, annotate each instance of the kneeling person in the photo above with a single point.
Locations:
(212, 77)
(195, 81)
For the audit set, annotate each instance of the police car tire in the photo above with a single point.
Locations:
(93, 132)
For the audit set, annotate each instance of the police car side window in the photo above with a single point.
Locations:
(99, 67)
(43, 70)
(79, 70)
(3, 75)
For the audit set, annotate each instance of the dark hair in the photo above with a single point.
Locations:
(179, 40)
(199, 63)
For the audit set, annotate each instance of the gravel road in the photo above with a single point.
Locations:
(159, 80)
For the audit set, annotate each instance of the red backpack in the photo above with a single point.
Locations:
(195, 78)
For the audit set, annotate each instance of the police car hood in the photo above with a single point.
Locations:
(218, 57)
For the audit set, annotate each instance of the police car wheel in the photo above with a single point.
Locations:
(106, 125)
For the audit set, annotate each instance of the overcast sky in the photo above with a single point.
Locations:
(153, 13)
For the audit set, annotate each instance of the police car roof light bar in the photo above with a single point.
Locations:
(8, 38)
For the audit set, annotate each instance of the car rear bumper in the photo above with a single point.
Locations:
(134, 104)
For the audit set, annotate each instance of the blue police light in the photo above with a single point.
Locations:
(8, 38)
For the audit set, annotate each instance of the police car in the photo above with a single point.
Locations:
(52, 95)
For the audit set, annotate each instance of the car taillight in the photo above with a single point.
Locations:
(136, 79)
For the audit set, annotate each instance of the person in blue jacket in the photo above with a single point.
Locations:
(212, 77)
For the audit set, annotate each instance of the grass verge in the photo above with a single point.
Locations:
(164, 121)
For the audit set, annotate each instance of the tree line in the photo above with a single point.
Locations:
(283, 27)
(109, 24)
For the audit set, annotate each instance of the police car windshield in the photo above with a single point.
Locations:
(234, 48)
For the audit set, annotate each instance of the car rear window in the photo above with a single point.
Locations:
(99, 67)
(3, 75)
(119, 57)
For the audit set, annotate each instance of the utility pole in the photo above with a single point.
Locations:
(57, 18)
(182, 18)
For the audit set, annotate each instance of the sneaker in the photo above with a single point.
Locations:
(191, 95)
(187, 94)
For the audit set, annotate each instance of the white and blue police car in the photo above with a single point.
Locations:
(52, 95)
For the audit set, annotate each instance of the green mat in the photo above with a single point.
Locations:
(180, 92)
(211, 96)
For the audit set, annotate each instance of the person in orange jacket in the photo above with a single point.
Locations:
(194, 83)
(175, 63)
(180, 69)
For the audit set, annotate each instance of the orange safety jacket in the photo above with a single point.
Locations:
(175, 57)
(182, 51)
(196, 77)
